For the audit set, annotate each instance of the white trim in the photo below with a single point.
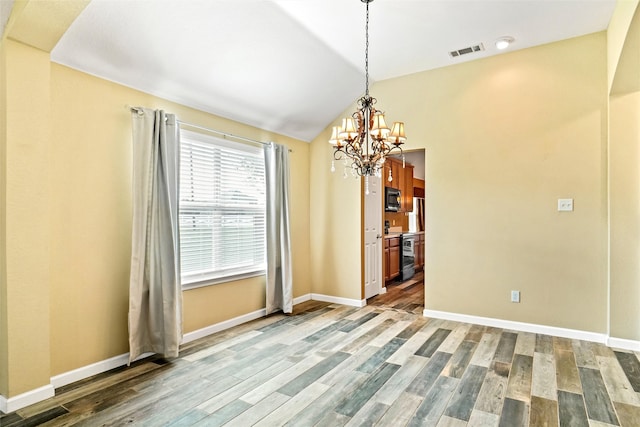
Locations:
(301, 299)
(37, 395)
(383, 290)
(339, 300)
(93, 369)
(623, 344)
(210, 280)
(121, 360)
(518, 326)
(25, 399)
(212, 329)
(217, 327)
(608, 225)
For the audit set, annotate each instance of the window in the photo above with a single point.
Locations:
(222, 209)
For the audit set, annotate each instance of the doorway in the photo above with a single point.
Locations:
(404, 288)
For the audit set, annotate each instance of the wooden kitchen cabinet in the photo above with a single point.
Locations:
(391, 258)
(402, 179)
(397, 173)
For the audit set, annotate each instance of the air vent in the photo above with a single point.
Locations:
(466, 50)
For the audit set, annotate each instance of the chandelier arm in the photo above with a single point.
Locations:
(350, 150)
(397, 147)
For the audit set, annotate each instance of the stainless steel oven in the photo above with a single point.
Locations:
(408, 256)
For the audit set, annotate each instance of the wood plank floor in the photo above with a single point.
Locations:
(384, 365)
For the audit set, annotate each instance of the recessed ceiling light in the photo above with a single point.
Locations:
(504, 42)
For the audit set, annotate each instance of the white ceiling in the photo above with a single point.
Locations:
(292, 66)
(5, 11)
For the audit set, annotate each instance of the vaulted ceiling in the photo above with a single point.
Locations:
(292, 66)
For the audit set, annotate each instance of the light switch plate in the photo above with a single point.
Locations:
(565, 205)
(515, 296)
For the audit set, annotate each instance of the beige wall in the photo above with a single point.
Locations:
(505, 137)
(624, 178)
(534, 130)
(68, 213)
(4, 331)
(335, 235)
(625, 216)
(91, 220)
(26, 170)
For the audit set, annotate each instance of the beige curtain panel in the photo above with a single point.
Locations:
(279, 276)
(155, 294)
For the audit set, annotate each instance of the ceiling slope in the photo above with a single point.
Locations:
(292, 66)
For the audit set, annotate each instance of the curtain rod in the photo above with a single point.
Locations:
(224, 134)
(219, 132)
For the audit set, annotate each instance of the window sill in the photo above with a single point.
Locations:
(217, 280)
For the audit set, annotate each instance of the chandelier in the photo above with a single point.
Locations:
(364, 139)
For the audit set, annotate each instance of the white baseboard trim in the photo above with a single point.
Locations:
(301, 299)
(45, 392)
(121, 360)
(93, 369)
(212, 329)
(518, 326)
(623, 344)
(383, 290)
(25, 399)
(339, 300)
(37, 395)
(217, 327)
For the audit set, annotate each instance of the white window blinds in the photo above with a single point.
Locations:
(222, 208)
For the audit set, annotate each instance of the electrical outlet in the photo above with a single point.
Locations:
(565, 205)
(515, 296)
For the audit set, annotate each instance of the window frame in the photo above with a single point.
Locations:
(198, 280)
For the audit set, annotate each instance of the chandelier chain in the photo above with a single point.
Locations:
(366, 53)
(364, 139)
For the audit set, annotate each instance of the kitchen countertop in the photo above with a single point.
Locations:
(392, 235)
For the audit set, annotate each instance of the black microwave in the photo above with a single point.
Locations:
(391, 199)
